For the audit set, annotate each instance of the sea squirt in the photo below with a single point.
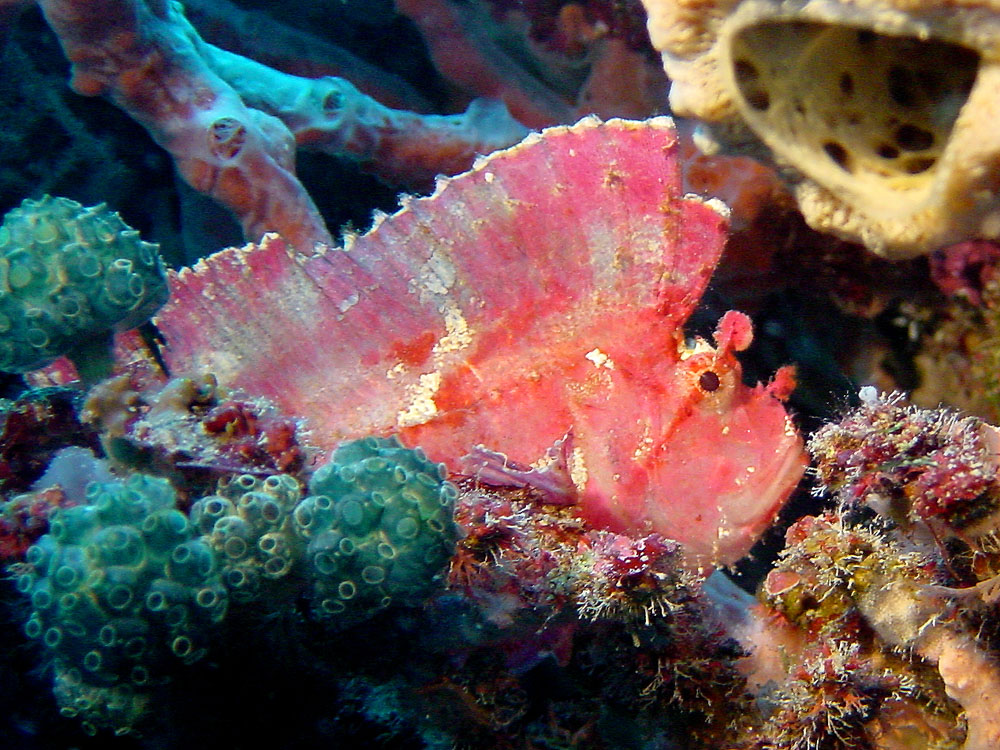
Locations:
(533, 306)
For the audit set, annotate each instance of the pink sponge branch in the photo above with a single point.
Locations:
(459, 41)
(144, 57)
(232, 124)
(972, 679)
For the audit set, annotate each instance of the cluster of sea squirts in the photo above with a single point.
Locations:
(125, 586)
(70, 273)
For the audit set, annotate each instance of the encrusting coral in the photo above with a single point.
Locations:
(624, 615)
(915, 582)
(189, 429)
(959, 356)
(886, 629)
(881, 111)
(840, 686)
(913, 465)
(33, 428)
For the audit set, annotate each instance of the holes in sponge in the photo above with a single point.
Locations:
(748, 79)
(912, 138)
(919, 164)
(902, 86)
(887, 151)
(839, 154)
(846, 103)
(745, 71)
(759, 99)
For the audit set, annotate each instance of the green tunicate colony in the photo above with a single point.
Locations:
(124, 585)
(378, 526)
(249, 525)
(374, 530)
(119, 588)
(69, 274)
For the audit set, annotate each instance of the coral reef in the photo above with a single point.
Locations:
(190, 430)
(549, 62)
(885, 144)
(901, 578)
(249, 524)
(297, 43)
(374, 530)
(625, 620)
(912, 465)
(875, 628)
(848, 587)
(34, 427)
(958, 357)
(235, 540)
(231, 124)
(379, 526)
(25, 518)
(68, 154)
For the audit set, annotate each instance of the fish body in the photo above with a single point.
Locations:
(533, 306)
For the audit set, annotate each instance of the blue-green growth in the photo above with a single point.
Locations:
(125, 585)
(375, 530)
(120, 588)
(249, 525)
(70, 275)
(378, 528)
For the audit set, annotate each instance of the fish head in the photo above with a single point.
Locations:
(701, 457)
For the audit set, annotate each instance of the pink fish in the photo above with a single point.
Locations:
(533, 306)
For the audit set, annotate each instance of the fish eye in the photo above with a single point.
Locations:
(709, 381)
